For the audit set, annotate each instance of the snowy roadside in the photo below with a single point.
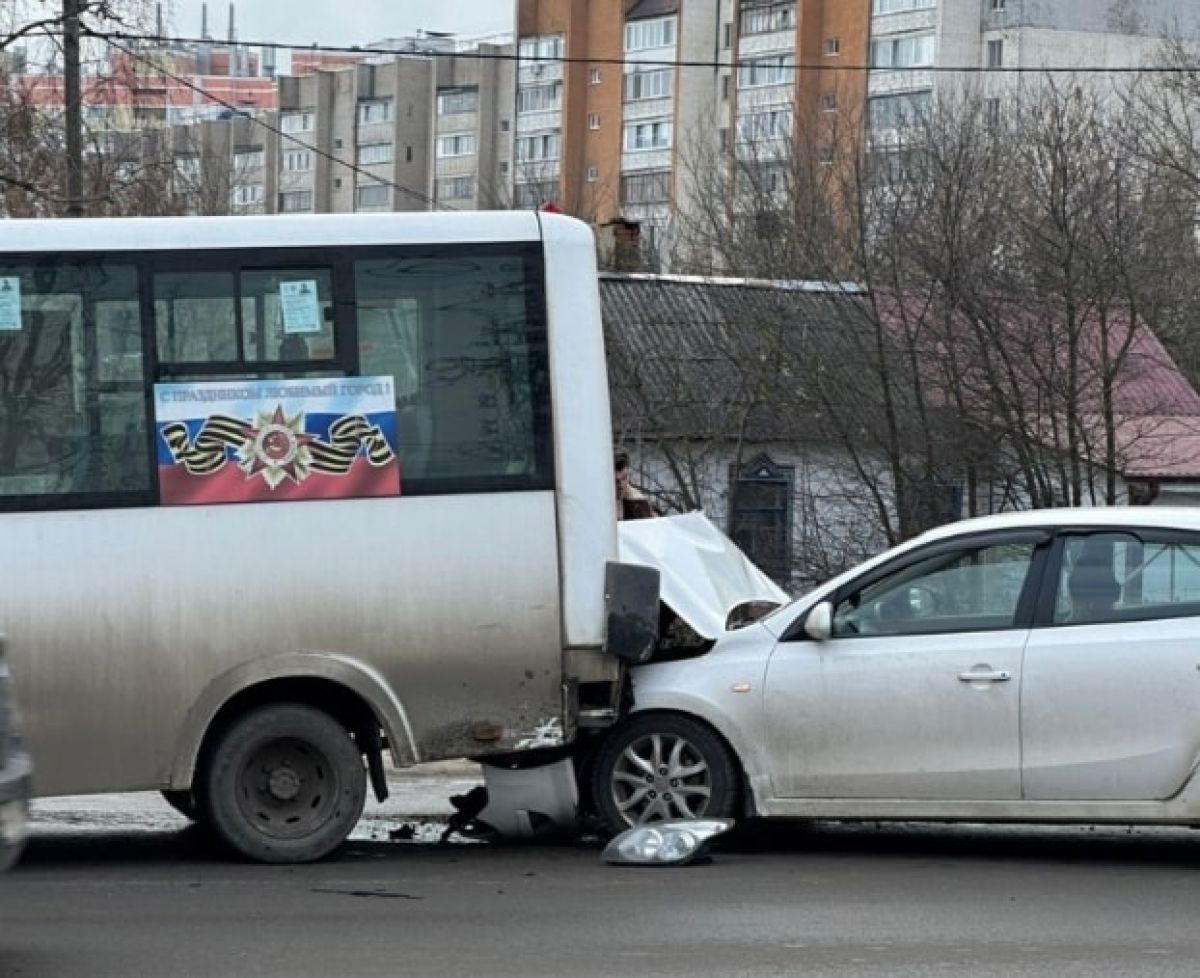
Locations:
(418, 796)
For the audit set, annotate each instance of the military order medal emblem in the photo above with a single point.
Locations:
(277, 448)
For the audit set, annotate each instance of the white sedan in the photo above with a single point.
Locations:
(1039, 666)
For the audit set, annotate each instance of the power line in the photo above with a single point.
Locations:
(662, 63)
(415, 194)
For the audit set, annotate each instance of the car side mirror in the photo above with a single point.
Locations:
(819, 624)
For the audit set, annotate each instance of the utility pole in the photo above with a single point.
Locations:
(74, 121)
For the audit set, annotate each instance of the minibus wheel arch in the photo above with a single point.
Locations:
(346, 690)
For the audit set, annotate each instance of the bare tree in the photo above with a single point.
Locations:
(994, 346)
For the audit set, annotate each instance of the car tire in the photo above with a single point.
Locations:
(283, 784)
(663, 765)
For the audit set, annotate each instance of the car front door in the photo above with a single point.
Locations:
(916, 694)
(1110, 697)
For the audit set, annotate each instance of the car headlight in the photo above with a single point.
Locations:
(670, 843)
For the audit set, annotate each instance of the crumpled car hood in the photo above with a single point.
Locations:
(704, 576)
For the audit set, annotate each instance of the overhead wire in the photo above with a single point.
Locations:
(477, 55)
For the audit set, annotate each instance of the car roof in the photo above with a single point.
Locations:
(1166, 517)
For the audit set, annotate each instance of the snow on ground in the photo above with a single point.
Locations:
(418, 797)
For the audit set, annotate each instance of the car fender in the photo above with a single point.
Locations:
(735, 714)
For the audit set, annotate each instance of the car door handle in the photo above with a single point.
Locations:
(985, 676)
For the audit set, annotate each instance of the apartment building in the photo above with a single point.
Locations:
(654, 93)
(913, 42)
(602, 135)
(381, 134)
(222, 166)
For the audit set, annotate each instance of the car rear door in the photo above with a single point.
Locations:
(1110, 694)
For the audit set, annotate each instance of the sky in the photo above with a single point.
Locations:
(341, 22)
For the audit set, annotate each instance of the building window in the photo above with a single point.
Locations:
(594, 76)
(829, 102)
(767, 19)
(991, 112)
(540, 98)
(647, 135)
(535, 194)
(898, 111)
(593, 120)
(777, 70)
(833, 45)
(375, 153)
(456, 101)
(374, 111)
(547, 46)
(646, 188)
(825, 153)
(643, 34)
(374, 195)
(296, 160)
(455, 188)
(995, 54)
(772, 124)
(249, 159)
(997, 5)
(900, 6)
(300, 121)
(641, 85)
(294, 201)
(727, 36)
(188, 166)
(766, 178)
(760, 515)
(593, 174)
(456, 144)
(248, 194)
(538, 149)
(909, 51)
(725, 88)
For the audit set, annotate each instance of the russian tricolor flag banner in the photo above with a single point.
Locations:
(257, 441)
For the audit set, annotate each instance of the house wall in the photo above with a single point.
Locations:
(833, 518)
(832, 525)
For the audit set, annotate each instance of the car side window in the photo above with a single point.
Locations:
(968, 590)
(1115, 577)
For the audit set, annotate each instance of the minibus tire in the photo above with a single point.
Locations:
(284, 783)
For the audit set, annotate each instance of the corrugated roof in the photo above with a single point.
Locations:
(713, 358)
(689, 356)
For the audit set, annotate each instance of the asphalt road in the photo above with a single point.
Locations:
(816, 901)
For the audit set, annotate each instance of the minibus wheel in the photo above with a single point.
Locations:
(284, 783)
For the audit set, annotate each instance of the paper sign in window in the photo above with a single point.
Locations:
(301, 309)
(10, 303)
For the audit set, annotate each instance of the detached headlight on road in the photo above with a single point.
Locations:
(671, 843)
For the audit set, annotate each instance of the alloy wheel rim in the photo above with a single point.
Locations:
(661, 776)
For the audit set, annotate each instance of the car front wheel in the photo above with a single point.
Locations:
(660, 766)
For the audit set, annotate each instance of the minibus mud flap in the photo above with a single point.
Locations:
(631, 598)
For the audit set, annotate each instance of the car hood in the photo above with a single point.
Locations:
(704, 576)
